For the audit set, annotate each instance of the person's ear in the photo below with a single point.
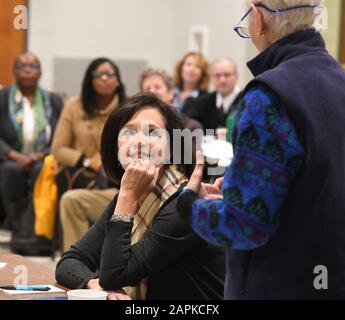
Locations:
(258, 20)
(170, 96)
(117, 83)
(236, 76)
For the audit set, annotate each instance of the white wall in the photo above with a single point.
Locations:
(220, 16)
(153, 30)
(120, 29)
(333, 34)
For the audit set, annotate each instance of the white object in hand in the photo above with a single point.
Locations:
(217, 151)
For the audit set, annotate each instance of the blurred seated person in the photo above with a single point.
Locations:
(139, 241)
(28, 116)
(213, 109)
(157, 82)
(76, 146)
(191, 79)
(160, 83)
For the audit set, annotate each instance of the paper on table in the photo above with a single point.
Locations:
(44, 298)
(53, 289)
(3, 265)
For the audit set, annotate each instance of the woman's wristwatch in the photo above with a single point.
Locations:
(121, 217)
(86, 163)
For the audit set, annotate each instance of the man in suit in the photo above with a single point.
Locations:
(212, 110)
(28, 116)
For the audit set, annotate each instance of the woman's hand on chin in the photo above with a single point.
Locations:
(137, 182)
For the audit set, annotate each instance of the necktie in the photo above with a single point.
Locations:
(222, 115)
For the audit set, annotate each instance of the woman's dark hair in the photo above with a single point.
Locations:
(118, 119)
(88, 94)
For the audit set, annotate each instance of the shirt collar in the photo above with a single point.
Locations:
(227, 101)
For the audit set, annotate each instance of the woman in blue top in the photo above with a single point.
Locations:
(280, 211)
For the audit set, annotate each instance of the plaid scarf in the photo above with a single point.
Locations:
(168, 185)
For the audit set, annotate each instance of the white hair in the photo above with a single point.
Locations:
(230, 60)
(292, 21)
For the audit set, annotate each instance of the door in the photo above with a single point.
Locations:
(13, 36)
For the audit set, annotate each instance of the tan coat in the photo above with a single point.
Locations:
(76, 135)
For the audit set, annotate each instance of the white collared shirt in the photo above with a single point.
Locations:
(29, 124)
(227, 101)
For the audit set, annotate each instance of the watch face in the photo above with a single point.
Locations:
(86, 163)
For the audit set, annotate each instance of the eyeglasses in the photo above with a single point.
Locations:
(106, 74)
(242, 31)
(23, 66)
(225, 75)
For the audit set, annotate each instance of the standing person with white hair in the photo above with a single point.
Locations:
(281, 207)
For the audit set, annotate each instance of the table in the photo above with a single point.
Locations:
(37, 275)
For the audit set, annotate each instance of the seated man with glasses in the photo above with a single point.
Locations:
(212, 110)
(28, 116)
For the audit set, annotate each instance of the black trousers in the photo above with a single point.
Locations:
(16, 186)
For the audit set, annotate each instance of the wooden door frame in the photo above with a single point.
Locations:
(13, 41)
(342, 41)
(26, 41)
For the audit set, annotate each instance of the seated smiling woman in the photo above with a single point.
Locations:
(139, 241)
